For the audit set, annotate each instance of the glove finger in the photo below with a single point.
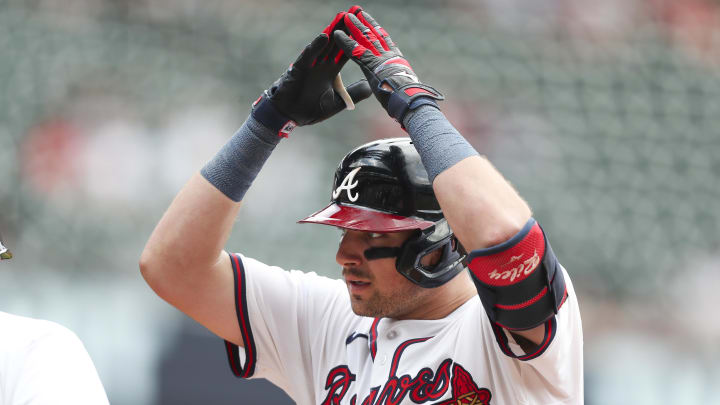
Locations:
(376, 29)
(338, 23)
(311, 52)
(348, 45)
(362, 34)
(359, 91)
(358, 53)
(334, 53)
(333, 25)
(379, 31)
(340, 58)
(330, 104)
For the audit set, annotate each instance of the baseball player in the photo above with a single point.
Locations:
(44, 363)
(450, 291)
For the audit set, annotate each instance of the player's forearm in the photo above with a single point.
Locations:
(511, 263)
(482, 208)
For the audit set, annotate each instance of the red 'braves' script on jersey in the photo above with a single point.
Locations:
(427, 385)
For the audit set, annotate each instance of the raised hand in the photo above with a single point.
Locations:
(304, 94)
(390, 75)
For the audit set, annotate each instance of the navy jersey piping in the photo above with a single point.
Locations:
(232, 349)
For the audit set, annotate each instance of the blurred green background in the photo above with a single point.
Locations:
(604, 115)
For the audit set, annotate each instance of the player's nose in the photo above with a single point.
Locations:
(350, 251)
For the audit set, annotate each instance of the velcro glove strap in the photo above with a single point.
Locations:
(410, 97)
(269, 116)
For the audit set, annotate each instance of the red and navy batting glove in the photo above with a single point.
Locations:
(304, 94)
(370, 46)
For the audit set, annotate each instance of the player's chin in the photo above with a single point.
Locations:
(360, 307)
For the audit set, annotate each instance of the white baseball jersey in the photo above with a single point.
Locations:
(301, 334)
(43, 363)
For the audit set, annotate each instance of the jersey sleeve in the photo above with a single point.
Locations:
(280, 314)
(553, 371)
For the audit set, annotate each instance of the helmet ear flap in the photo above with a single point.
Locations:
(439, 236)
(460, 249)
(448, 254)
(430, 259)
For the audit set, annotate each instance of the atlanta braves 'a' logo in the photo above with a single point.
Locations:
(348, 184)
(425, 386)
(465, 391)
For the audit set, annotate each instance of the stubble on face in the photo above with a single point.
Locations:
(384, 301)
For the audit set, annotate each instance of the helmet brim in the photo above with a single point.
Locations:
(364, 219)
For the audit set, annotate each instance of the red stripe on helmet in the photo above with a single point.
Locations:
(364, 219)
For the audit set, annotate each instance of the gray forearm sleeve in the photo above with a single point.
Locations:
(439, 144)
(236, 165)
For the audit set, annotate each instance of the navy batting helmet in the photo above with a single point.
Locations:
(382, 186)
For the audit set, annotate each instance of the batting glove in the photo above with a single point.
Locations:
(304, 94)
(370, 46)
